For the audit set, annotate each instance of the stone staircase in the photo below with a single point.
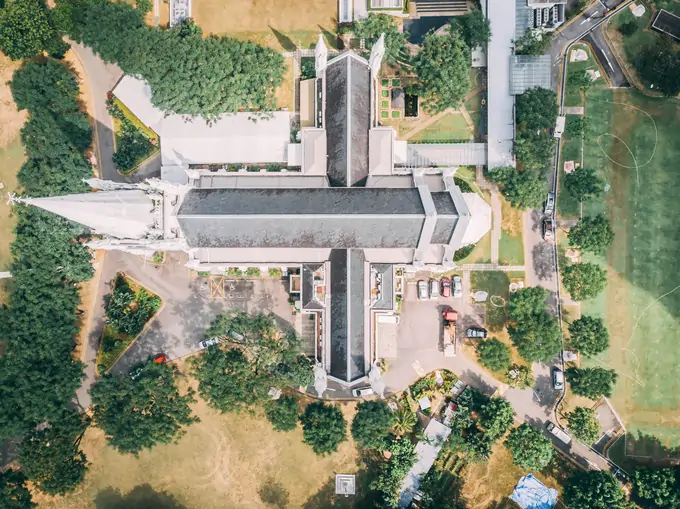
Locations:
(441, 7)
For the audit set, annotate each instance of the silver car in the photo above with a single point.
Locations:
(457, 286)
(206, 343)
(434, 288)
(422, 290)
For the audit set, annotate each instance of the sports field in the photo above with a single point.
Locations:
(635, 147)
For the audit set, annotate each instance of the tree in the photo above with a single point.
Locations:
(372, 424)
(589, 335)
(580, 79)
(577, 126)
(496, 417)
(533, 42)
(536, 109)
(659, 65)
(493, 354)
(583, 183)
(584, 280)
(127, 311)
(405, 419)
(520, 377)
(474, 28)
(523, 189)
(323, 427)
(530, 449)
(371, 28)
(628, 28)
(591, 382)
(138, 414)
(219, 74)
(592, 234)
(283, 413)
(50, 456)
(391, 473)
(13, 491)
(527, 302)
(659, 486)
(24, 28)
(228, 381)
(594, 489)
(442, 67)
(583, 424)
(534, 151)
(537, 338)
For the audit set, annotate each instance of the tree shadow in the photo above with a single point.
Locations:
(141, 497)
(274, 494)
(326, 498)
(286, 42)
(331, 38)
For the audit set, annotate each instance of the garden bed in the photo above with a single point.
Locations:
(129, 307)
(135, 142)
(437, 390)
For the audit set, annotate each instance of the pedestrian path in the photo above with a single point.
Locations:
(492, 266)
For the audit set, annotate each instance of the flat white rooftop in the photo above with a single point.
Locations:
(501, 104)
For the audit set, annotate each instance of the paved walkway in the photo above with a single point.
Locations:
(492, 266)
(573, 110)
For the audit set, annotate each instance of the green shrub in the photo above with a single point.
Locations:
(234, 272)
(274, 272)
(463, 252)
(253, 272)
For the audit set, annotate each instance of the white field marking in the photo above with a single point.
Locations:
(633, 378)
(637, 167)
(497, 297)
(637, 322)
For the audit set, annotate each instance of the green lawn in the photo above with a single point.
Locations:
(481, 253)
(568, 206)
(497, 283)
(450, 128)
(641, 304)
(11, 159)
(572, 95)
(510, 249)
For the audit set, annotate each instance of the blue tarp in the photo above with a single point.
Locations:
(530, 493)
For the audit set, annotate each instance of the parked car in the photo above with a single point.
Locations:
(434, 288)
(457, 286)
(446, 287)
(422, 289)
(549, 204)
(361, 392)
(236, 336)
(476, 333)
(548, 229)
(160, 359)
(206, 343)
(558, 379)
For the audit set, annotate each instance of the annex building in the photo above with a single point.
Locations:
(343, 201)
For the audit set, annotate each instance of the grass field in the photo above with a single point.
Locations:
(228, 461)
(450, 127)
(481, 253)
(279, 24)
(511, 245)
(635, 148)
(488, 484)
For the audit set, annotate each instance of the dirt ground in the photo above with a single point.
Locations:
(279, 24)
(224, 461)
(487, 484)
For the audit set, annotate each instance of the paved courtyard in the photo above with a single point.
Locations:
(187, 311)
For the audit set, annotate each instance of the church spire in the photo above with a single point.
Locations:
(120, 213)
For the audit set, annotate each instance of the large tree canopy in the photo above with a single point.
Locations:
(527, 302)
(493, 354)
(584, 280)
(323, 427)
(593, 234)
(583, 424)
(659, 65)
(496, 417)
(442, 66)
(283, 413)
(371, 28)
(536, 109)
(372, 424)
(25, 29)
(523, 189)
(474, 28)
(537, 338)
(591, 382)
(13, 491)
(657, 486)
(530, 449)
(589, 335)
(139, 413)
(583, 183)
(594, 489)
(188, 74)
(50, 455)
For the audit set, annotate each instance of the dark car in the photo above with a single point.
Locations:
(476, 332)
(548, 229)
(446, 287)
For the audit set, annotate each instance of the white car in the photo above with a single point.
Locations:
(422, 290)
(206, 343)
(361, 392)
(457, 286)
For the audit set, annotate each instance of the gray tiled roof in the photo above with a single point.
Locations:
(347, 119)
(303, 218)
(386, 301)
(339, 311)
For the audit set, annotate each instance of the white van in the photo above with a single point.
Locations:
(558, 379)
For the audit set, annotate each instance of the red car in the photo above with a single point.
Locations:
(446, 287)
(160, 359)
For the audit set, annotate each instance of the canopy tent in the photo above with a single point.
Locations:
(530, 493)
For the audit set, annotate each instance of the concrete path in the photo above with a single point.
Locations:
(573, 110)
